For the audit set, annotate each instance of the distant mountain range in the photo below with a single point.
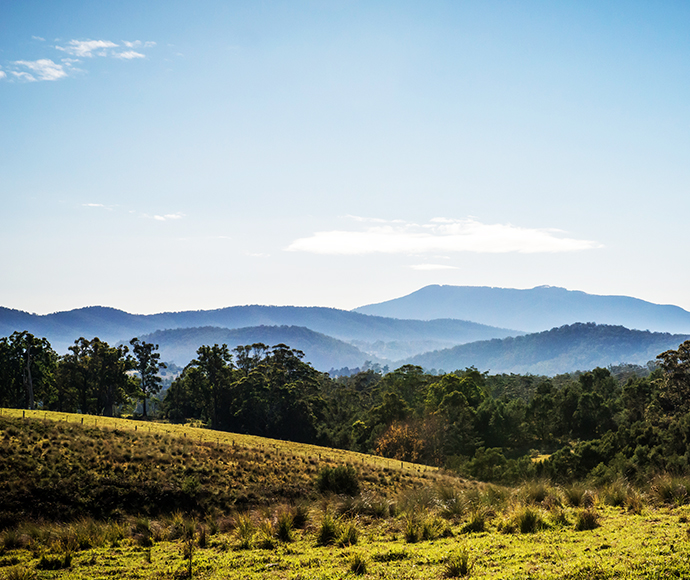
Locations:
(559, 350)
(533, 310)
(430, 328)
(384, 337)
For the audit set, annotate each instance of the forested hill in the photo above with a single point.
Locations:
(323, 352)
(531, 310)
(560, 350)
(112, 325)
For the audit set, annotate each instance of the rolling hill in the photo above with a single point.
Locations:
(323, 352)
(559, 350)
(531, 310)
(394, 338)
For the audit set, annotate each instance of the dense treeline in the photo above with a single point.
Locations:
(630, 422)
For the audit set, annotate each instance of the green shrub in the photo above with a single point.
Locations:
(341, 480)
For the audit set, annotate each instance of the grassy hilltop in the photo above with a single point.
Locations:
(108, 498)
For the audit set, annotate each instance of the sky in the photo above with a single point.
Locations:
(165, 155)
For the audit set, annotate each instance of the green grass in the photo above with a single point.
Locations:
(624, 546)
(255, 513)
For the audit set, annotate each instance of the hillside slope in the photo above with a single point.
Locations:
(531, 310)
(559, 350)
(323, 352)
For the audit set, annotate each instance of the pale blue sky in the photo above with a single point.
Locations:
(176, 155)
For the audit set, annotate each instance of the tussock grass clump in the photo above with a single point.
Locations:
(671, 490)
(12, 540)
(587, 519)
(477, 522)
(358, 564)
(266, 535)
(19, 573)
(244, 531)
(348, 536)
(54, 562)
(525, 520)
(300, 515)
(394, 555)
(577, 495)
(285, 527)
(458, 564)
(328, 530)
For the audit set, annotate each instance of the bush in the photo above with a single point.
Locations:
(341, 480)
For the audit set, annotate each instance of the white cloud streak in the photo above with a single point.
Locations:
(87, 48)
(129, 55)
(433, 267)
(168, 216)
(440, 235)
(44, 70)
(2, 74)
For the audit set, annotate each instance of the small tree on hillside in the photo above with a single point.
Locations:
(148, 365)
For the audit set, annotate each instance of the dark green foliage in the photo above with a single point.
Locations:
(341, 480)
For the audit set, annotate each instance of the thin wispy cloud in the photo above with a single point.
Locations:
(42, 70)
(101, 205)
(168, 216)
(46, 69)
(440, 235)
(129, 54)
(433, 267)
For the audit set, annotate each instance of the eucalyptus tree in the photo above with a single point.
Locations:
(148, 366)
(27, 370)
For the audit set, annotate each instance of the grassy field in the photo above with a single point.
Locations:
(123, 499)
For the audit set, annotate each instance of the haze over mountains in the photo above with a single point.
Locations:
(441, 327)
(380, 337)
(533, 310)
